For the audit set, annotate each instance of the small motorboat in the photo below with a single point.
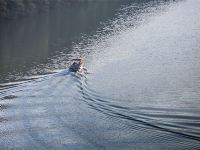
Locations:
(77, 65)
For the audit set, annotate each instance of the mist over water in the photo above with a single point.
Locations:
(140, 91)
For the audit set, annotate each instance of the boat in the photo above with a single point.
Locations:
(77, 65)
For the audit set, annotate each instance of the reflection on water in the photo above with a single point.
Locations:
(141, 90)
(29, 46)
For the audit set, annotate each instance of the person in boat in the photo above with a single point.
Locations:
(77, 65)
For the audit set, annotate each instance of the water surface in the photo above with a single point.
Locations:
(141, 90)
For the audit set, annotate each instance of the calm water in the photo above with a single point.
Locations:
(141, 91)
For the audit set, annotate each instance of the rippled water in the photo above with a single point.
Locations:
(141, 90)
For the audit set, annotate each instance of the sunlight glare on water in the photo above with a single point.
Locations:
(154, 66)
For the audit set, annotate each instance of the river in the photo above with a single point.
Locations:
(140, 90)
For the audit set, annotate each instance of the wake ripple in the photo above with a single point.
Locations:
(178, 122)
